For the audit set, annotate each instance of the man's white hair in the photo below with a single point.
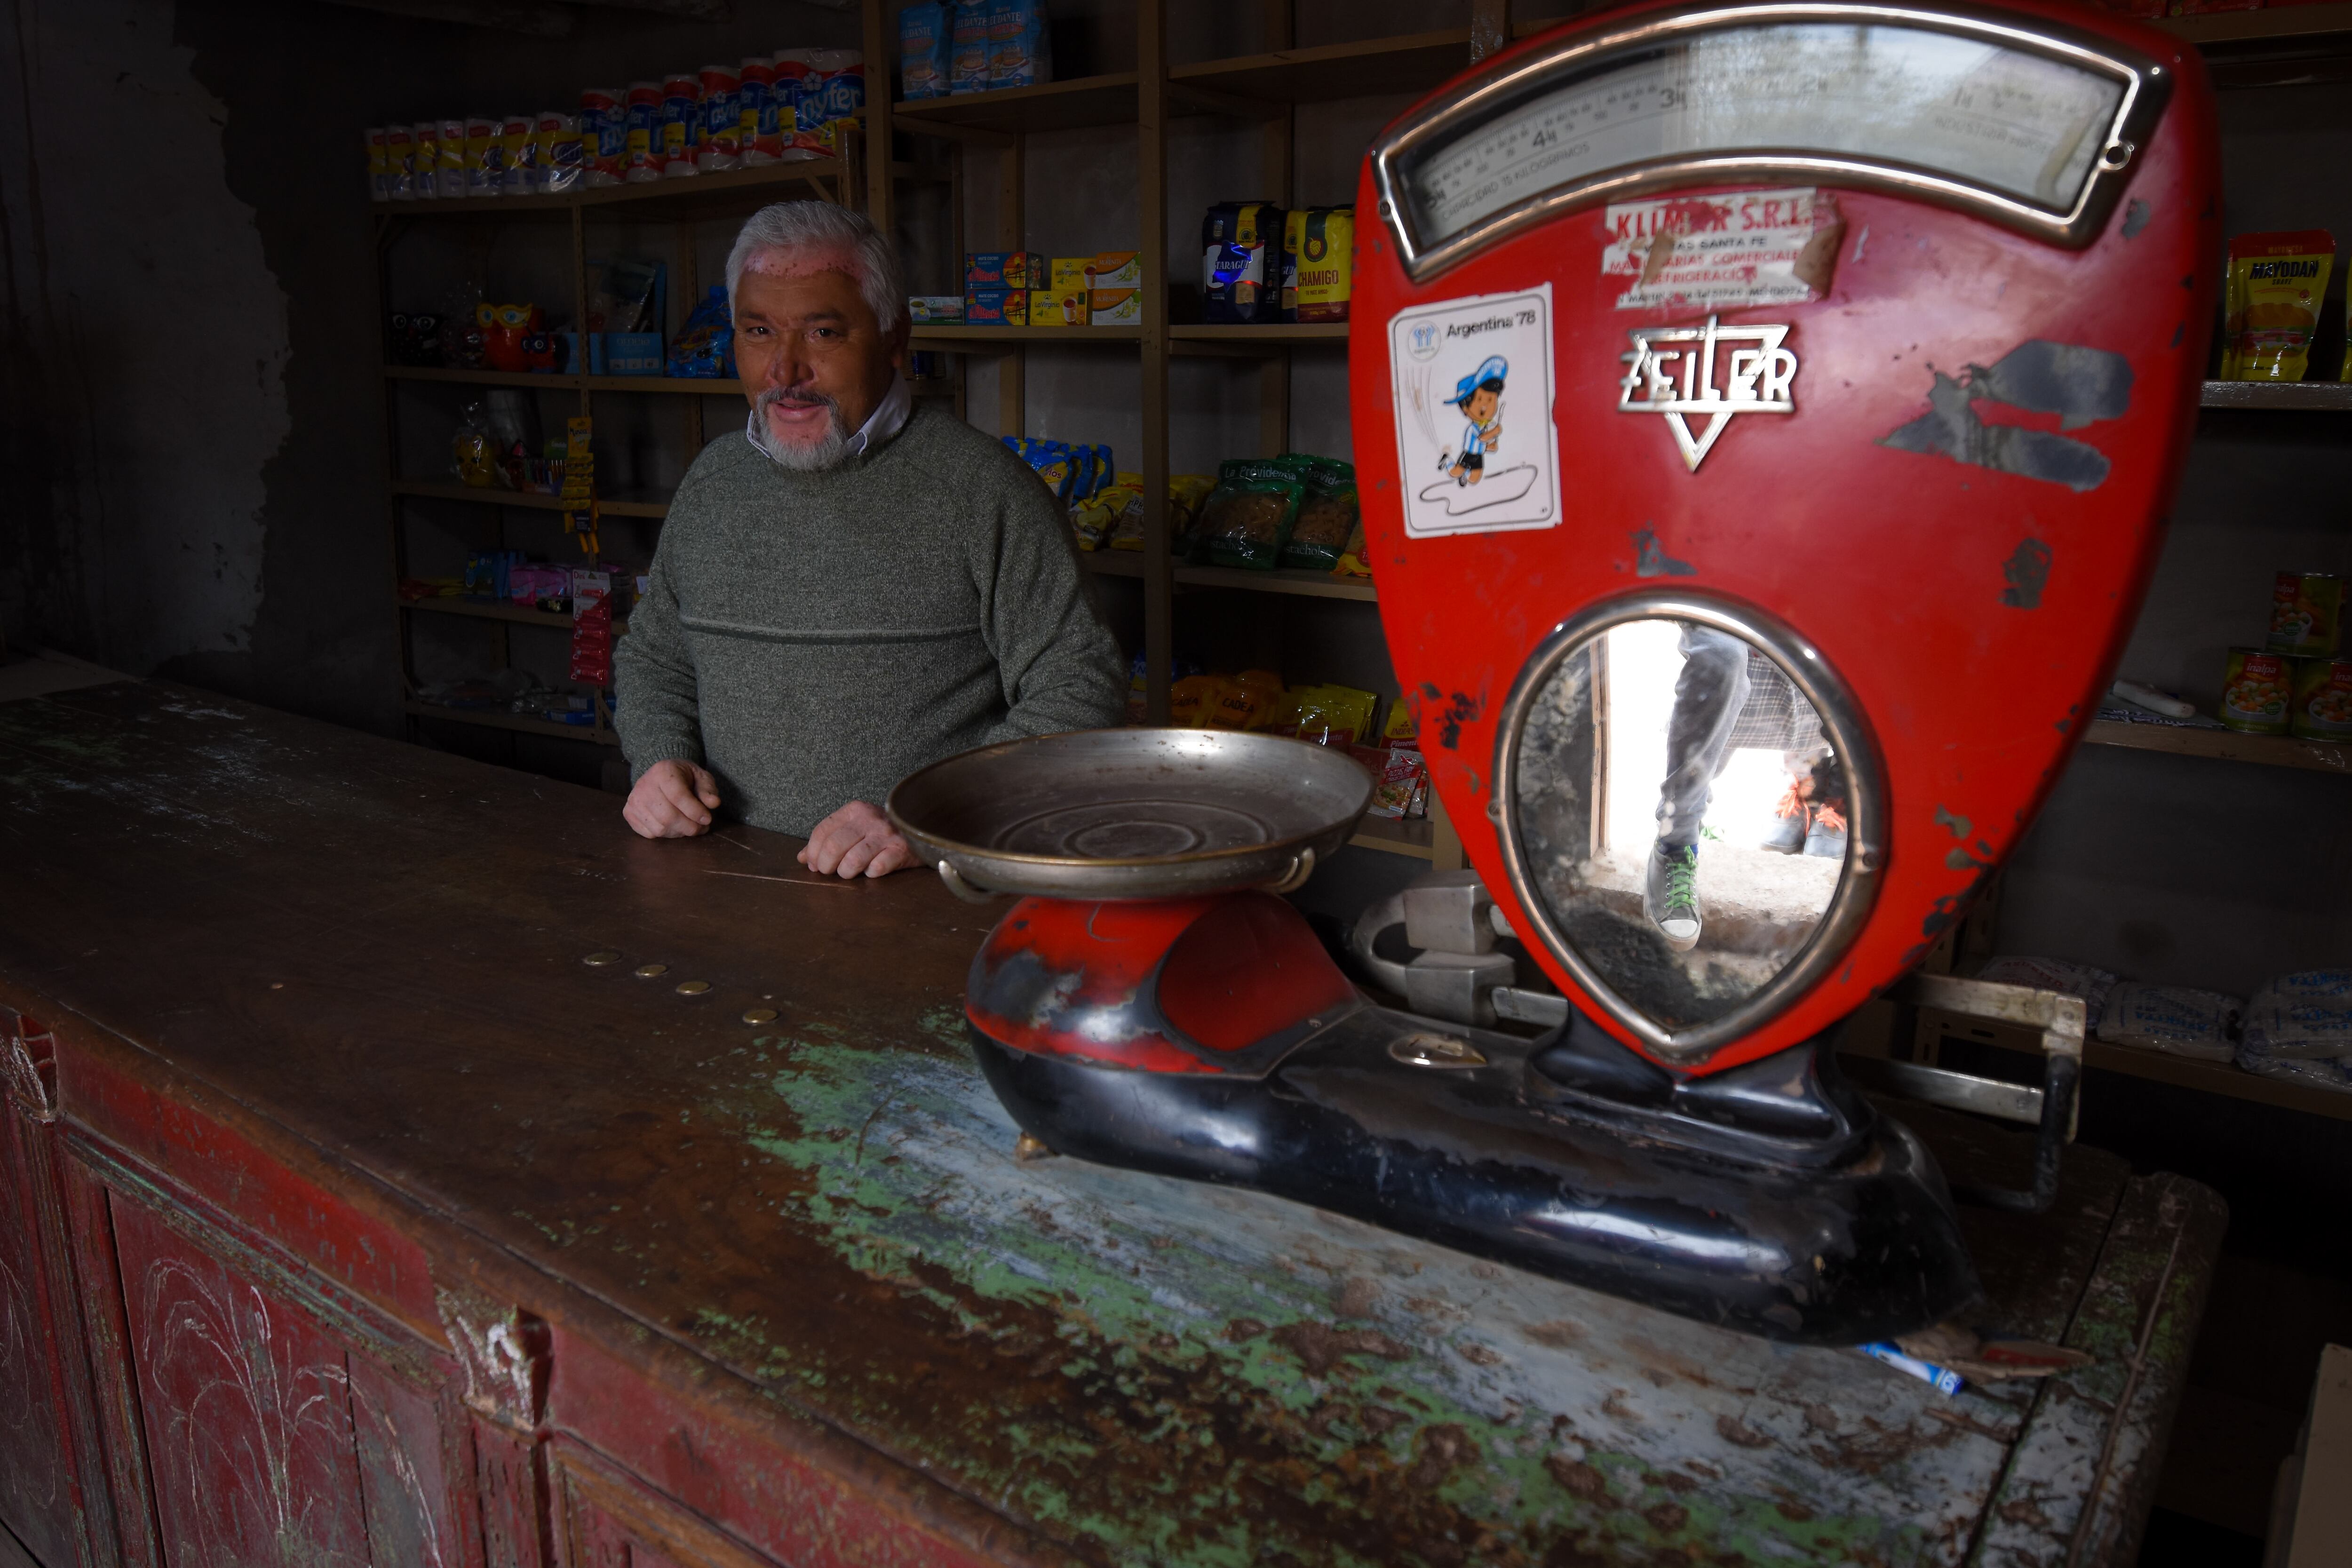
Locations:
(822, 226)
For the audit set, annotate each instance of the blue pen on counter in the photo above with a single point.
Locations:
(1926, 1372)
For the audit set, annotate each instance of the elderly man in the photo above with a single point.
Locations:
(852, 588)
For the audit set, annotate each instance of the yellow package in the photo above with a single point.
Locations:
(1058, 307)
(1067, 272)
(1184, 493)
(2276, 283)
(1402, 732)
(1353, 560)
(1234, 707)
(1319, 263)
(1191, 700)
(1334, 715)
(1093, 519)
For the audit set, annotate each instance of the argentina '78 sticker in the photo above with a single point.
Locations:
(1474, 391)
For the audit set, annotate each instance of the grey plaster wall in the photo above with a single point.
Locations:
(193, 420)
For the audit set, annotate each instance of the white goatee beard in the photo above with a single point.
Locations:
(811, 457)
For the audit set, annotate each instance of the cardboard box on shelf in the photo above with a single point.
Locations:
(996, 308)
(1115, 307)
(1067, 272)
(1117, 269)
(1059, 307)
(1003, 270)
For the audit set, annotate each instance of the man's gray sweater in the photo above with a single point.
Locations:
(813, 637)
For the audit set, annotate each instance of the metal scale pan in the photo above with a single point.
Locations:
(1131, 814)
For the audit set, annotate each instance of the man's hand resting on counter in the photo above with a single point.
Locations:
(672, 800)
(854, 839)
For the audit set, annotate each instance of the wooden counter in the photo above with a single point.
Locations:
(351, 1216)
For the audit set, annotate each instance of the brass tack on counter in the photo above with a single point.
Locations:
(598, 960)
(759, 1014)
(692, 987)
(647, 971)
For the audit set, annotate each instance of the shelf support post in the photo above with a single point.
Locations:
(1152, 181)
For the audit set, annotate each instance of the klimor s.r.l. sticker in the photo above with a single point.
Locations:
(1473, 389)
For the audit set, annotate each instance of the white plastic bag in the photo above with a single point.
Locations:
(2091, 984)
(2305, 1016)
(2173, 1019)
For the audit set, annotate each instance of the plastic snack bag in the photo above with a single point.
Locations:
(2305, 1016)
(2173, 1019)
(2091, 985)
(1247, 519)
(705, 346)
(473, 449)
(2275, 285)
(1327, 518)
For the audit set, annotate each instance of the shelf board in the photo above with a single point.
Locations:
(1279, 580)
(488, 610)
(2223, 745)
(552, 381)
(652, 197)
(953, 340)
(2259, 26)
(684, 385)
(1396, 837)
(1412, 62)
(483, 495)
(1255, 342)
(2217, 1077)
(1021, 111)
(494, 719)
(2335, 396)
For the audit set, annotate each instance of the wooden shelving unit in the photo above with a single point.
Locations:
(2285, 396)
(1261, 90)
(2223, 745)
(679, 204)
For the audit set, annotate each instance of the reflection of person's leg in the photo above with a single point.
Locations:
(1708, 695)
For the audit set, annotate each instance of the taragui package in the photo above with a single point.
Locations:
(2305, 1016)
(968, 46)
(2275, 285)
(1241, 263)
(1247, 518)
(925, 38)
(1020, 44)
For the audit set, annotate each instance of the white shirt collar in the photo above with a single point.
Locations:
(889, 417)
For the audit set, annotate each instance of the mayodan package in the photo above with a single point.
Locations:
(2275, 285)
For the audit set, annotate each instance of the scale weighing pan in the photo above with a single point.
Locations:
(1131, 814)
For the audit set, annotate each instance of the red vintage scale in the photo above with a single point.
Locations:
(1727, 381)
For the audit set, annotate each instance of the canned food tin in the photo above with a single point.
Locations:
(2254, 692)
(2322, 700)
(2306, 612)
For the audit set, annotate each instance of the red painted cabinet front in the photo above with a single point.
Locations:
(208, 1361)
